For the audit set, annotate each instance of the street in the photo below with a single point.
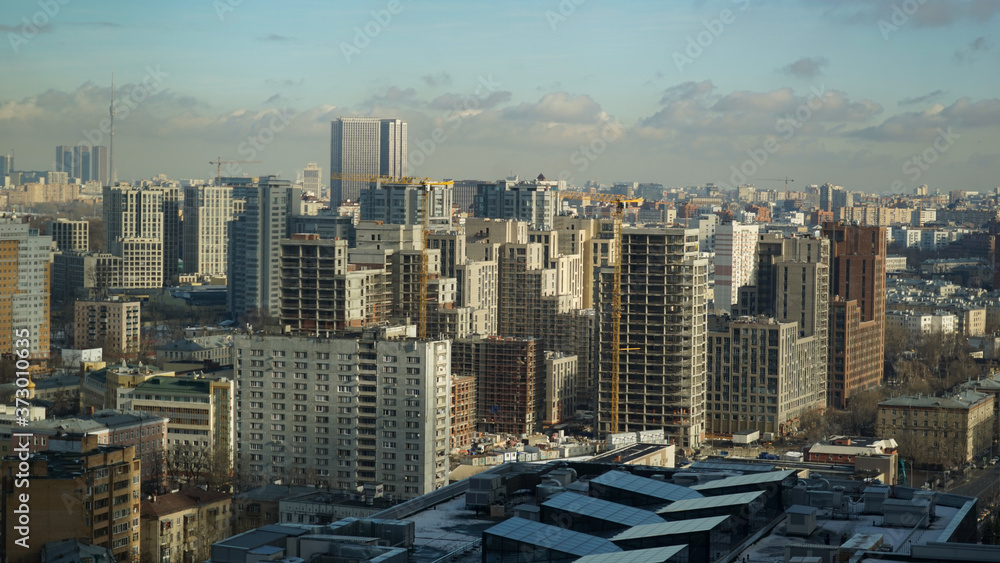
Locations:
(981, 483)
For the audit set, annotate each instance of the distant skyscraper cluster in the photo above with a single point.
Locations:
(83, 162)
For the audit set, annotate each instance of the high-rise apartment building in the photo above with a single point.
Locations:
(767, 367)
(364, 146)
(70, 235)
(403, 204)
(664, 318)
(320, 292)
(172, 203)
(83, 162)
(534, 202)
(133, 231)
(113, 325)
(254, 251)
(207, 213)
(91, 494)
(735, 261)
(345, 412)
(857, 309)
(26, 263)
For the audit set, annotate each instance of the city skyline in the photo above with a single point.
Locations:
(882, 96)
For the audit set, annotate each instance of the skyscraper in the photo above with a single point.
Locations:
(364, 146)
(664, 327)
(312, 179)
(6, 167)
(83, 162)
(857, 309)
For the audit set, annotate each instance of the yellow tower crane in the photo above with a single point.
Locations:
(422, 276)
(619, 202)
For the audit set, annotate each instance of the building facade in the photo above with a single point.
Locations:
(946, 431)
(364, 146)
(133, 231)
(113, 325)
(857, 309)
(26, 263)
(345, 412)
(91, 495)
(70, 235)
(254, 238)
(664, 320)
(207, 213)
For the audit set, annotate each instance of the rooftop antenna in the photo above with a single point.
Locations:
(111, 150)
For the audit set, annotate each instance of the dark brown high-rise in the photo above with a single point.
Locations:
(857, 309)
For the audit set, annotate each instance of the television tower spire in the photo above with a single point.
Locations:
(111, 149)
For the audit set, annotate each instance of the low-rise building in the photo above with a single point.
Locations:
(183, 526)
(113, 325)
(944, 430)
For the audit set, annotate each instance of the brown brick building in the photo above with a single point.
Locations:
(90, 495)
(463, 411)
(857, 309)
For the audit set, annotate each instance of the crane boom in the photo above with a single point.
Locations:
(218, 162)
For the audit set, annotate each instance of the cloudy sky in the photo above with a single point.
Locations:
(875, 95)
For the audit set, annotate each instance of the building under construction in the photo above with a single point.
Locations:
(510, 381)
(663, 336)
(320, 292)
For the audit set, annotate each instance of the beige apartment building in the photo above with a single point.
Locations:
(952, 429)
(182, 526)
(113, 325)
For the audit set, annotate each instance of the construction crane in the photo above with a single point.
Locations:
(786, 180)
(422, 276)
(619, 202)
(218, 162)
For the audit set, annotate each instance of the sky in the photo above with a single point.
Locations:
(874, 95)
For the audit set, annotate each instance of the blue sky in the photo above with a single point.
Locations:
(682, 93)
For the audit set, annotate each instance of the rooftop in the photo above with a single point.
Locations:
(551, 537)
(602, 509)
(691, 526)
(650, 487)
(754, 479)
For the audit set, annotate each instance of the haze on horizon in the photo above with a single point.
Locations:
(681, 93)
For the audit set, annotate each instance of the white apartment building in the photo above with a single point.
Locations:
(207, 213)
(735, 261)
(345, 412)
